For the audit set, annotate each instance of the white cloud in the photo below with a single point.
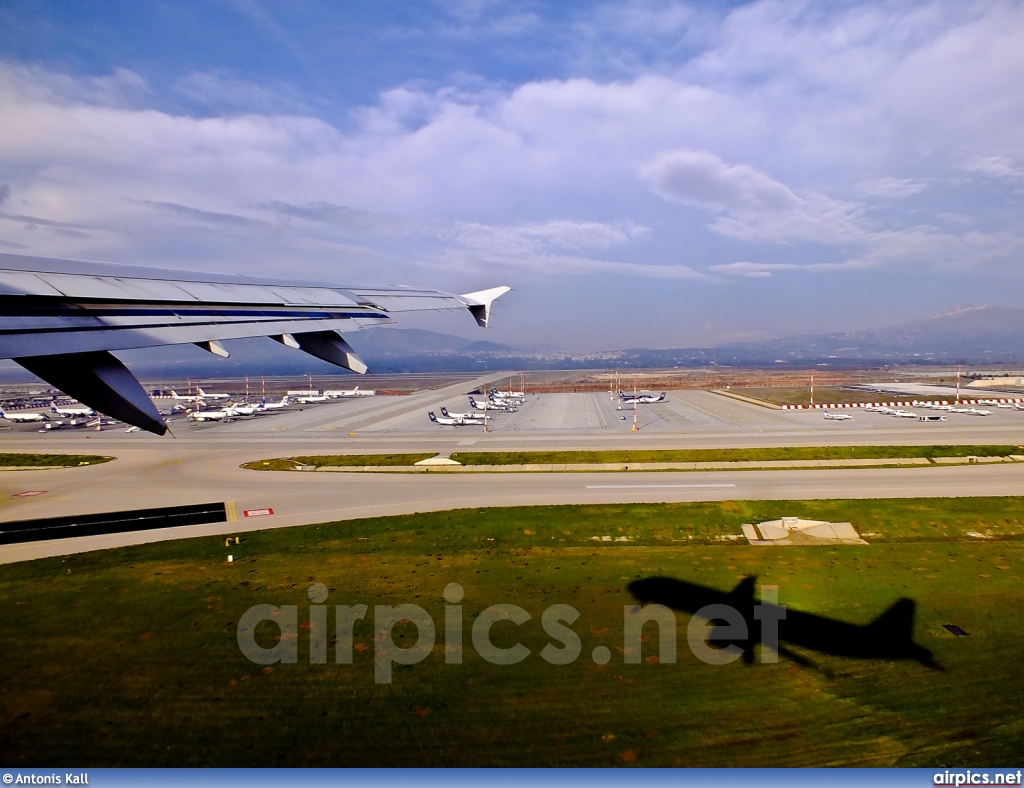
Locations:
(748, 203)
(996, 167)
(894, 188)
(542, 237)
(816, 138)
(945, 252)
(222, 93)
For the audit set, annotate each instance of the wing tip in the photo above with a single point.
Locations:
(482, 300)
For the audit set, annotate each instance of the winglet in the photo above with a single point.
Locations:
(483, 299)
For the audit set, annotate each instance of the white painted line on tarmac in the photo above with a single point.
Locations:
(651, 486)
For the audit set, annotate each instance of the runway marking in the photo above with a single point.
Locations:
(230, 511)
(651, 486)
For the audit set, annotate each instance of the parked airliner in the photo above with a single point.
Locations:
(445, 422)
(209, 415)
(491, 406)
(263, 406)
(335, 394)
(185, 397)
(641, 399)
(72, 410)
(20, 418)
(475, 418)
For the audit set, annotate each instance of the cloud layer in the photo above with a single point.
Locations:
(667, 143)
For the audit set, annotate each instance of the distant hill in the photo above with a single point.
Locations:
(967, 335)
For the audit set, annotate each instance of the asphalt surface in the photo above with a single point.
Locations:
(201, 463)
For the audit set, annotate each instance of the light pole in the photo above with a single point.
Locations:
(636, 427)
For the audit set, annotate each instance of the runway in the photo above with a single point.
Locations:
(202, 464)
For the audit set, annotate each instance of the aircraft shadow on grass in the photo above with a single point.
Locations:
(889, 637)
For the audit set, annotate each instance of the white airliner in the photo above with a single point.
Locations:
(264, 406)
(335, 394)
(237, 409)
(475, 418)
(185, 397)
(72, 410)
(641, 399)
(490, 406)
(510, 396)
(508, 401)
(20, 418)
(446, 422)
(82, 311)
(838, 417)
(312, 400)
(204, 395)
(209, 415)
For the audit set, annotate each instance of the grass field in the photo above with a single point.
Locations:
(129, 657)
(336, 461)
(828, 395)
(631, 456)
(8, 460)
(730, 455)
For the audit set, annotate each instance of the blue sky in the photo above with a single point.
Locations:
(642, 173)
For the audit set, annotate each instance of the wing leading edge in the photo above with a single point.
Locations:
(60, 319)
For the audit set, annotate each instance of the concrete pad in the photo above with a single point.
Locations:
(819, 531)
(438, 461)
(796, 531)
(772, 531)
(846, 532)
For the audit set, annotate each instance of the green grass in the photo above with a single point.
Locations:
(8, 460)
(336, 460)
(828, 395)
(730, 455)
(129, 658)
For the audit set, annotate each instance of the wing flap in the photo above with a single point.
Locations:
(102, 382)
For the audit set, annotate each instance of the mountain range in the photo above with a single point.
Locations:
(967, 335)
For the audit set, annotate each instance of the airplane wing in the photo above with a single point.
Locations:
(61, 318)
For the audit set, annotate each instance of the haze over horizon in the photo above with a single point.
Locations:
(644, 174)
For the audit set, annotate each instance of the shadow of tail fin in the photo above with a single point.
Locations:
(744, 590)
(897, 623)
(896, 627)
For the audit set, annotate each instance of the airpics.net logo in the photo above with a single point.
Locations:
(713, 623)
(969, 777)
